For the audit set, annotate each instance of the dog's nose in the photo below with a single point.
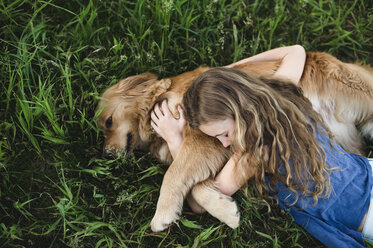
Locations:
(107, 155)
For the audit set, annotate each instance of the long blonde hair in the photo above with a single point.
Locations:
(268, 114)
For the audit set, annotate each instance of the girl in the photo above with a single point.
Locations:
(283, 145)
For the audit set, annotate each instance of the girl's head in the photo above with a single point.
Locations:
(253, 115)
(223, 94)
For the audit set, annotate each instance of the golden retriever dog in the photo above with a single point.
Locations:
(341, 92)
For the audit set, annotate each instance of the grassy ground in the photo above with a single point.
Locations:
(56, 58)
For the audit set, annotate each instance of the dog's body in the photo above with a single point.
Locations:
(341, 92)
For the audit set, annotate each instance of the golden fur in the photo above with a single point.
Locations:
(341, 92)
(269, 115)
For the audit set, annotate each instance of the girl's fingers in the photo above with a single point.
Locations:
(157, 111)
(181, 112)
(154, 126)
(165, 108)
(153, 116)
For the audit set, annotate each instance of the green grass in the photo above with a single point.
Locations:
(57, 57)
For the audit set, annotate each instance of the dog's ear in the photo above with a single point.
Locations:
(134, 81)
(151, 94)
(158, 88)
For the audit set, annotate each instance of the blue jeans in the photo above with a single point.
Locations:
(368, 226)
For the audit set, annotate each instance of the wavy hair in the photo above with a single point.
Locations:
(270, 115)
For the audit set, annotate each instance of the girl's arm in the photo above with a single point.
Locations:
(225, 181)
(292, 64)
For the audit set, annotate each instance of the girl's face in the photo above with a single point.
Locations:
(222, 130)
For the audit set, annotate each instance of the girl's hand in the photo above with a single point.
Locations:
(169, 128)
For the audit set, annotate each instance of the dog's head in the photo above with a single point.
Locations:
(124, 112)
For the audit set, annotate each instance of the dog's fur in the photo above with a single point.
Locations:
(341, 92)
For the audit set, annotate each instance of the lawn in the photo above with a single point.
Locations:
(57, 57)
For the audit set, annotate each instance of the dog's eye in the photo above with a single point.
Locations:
(109, 122)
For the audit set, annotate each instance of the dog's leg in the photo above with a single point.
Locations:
(194, 163)
(216, 203)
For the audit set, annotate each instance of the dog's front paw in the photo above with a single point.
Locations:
(225, 209)
(229, 213)
(162, 220)
(217, 204)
